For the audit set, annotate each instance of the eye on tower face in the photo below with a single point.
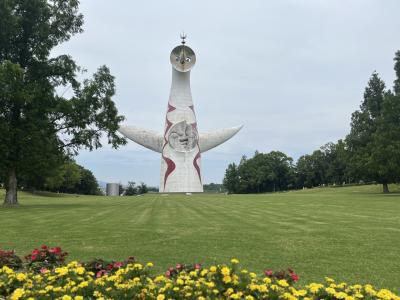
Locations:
(182, 58)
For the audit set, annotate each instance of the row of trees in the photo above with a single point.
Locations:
(369, 153)
(132, 189)
(71, 178)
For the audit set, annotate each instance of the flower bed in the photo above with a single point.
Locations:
(132, 280)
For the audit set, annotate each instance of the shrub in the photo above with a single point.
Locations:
(101, 267)
(10, 259)
(45, 258)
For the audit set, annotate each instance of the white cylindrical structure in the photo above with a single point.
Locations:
(112, 189)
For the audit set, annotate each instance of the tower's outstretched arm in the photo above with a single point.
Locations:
(147, 138)
(210, 140)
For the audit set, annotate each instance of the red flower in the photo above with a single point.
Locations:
(44, 247)
(268, 272)
(295, 277)
(33, 257)
(55, 250)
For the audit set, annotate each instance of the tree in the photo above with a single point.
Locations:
(262, 173)
(374, 139)
(231, 179)
(87, 184)
(39, 125)
(65, 178)
(131, 189)
(142, 188)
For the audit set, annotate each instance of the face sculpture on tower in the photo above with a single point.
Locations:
(181, 144)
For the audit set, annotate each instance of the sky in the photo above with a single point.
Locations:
(290, 71)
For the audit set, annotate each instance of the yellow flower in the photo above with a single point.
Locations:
(18, 293)
(234, 261)
(341, 295)
(180, 281)
(330, 291)
(267, 280)
(149, 264)
(385, 294)
(349, 298)
(61, 271)
(288, 296)
(80, 270)
(213, 269)
(225, 271)
(262, 288)
(249, 297)
(78, 298)
(83, 284)
(66, 297)
(210, 284)
(253, 275)
(283, 283)
(227, 279)
(328, 279)
(21, 277)
(314, 287)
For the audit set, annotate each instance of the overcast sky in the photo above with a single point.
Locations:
(291, 71)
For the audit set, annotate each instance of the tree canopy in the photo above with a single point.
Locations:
(40, 127)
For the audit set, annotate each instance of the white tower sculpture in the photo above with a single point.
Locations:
(181, 145)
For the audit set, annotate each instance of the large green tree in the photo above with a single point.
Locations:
(264, 172)
(39, 126)
(374, 139)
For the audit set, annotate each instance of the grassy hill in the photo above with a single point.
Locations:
(351, 234)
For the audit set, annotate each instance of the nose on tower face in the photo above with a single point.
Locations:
(183, 58)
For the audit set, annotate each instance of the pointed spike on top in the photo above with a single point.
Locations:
(183, 37)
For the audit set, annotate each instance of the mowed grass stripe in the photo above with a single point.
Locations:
(352, 234)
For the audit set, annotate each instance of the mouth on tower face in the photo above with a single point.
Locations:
(182, 58)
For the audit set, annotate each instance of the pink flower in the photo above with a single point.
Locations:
(197, 266)
(43, 270)
(168, 273)
(268, 272)
(118, 264)
(100, 273)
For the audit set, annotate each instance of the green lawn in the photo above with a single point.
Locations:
(351, 234)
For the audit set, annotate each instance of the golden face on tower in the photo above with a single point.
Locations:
(182, 58)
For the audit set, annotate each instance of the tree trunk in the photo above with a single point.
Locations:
(11, 189)
(385, 188)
